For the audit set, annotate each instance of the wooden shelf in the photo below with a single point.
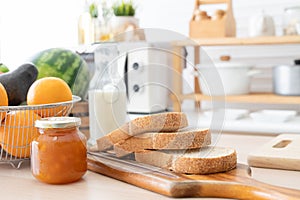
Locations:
(247, 98)
(267, 40)
(178, 96)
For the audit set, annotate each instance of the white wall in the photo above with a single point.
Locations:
(32, 25)
(175, 15)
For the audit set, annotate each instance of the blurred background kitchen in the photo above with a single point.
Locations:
(29, 26)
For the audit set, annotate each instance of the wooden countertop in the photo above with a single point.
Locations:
(20, 184)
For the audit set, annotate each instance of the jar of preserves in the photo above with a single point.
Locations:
(59, 153)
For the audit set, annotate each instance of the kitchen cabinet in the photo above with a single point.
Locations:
(178, 96)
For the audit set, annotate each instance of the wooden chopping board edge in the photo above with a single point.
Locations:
(233, 184)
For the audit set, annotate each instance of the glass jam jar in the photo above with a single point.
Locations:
(59, 154)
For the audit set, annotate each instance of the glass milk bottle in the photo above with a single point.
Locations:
(107, 94)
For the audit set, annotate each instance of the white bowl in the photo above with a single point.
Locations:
(273, 115)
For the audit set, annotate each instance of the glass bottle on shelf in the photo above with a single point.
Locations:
(93, 9)
(105, 15)
(85, 26)
(291, 23)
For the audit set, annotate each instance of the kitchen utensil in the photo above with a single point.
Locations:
(283, 152)
(261, 24)
(233, 184)
(147, 70)
(235, 77)
(273, 116)
(286, 79)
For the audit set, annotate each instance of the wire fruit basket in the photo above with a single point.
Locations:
(17, 128)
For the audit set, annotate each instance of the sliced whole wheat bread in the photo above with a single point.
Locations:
(167, 122)
(205, 160)
(187, 138)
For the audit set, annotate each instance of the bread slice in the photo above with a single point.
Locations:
(183, 139)
(206, 160)
(167, 122)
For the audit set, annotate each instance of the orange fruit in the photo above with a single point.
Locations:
(17, 132)
(3, 101)
(49, 90)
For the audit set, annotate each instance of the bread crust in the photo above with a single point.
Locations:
(181, 139)
(205, 165)
(182, 162)
(169, 121)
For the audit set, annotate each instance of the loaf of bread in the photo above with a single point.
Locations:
(187, 138)
(205, 160)
(166, 122)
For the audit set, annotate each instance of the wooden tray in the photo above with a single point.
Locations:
(236, 183)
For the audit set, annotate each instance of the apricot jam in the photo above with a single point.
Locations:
(59, 154)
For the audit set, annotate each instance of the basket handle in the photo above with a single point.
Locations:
(206, 2)
(203, 2)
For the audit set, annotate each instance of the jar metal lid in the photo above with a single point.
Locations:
(58, 122)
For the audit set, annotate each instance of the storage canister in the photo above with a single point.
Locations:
(291, 23)
(286, 79)
(59, 154)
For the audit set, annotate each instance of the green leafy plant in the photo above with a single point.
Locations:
(93, 10)
(124, 8)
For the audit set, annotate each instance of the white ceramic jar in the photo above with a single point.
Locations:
(261, 24)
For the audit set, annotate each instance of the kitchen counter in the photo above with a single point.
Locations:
(20, 184)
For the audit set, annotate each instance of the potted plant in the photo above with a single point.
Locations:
(124, 17)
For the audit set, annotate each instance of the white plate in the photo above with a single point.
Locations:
(230, 114)
(273, 115)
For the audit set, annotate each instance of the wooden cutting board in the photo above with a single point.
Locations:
(283, 152)
(236, 183)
